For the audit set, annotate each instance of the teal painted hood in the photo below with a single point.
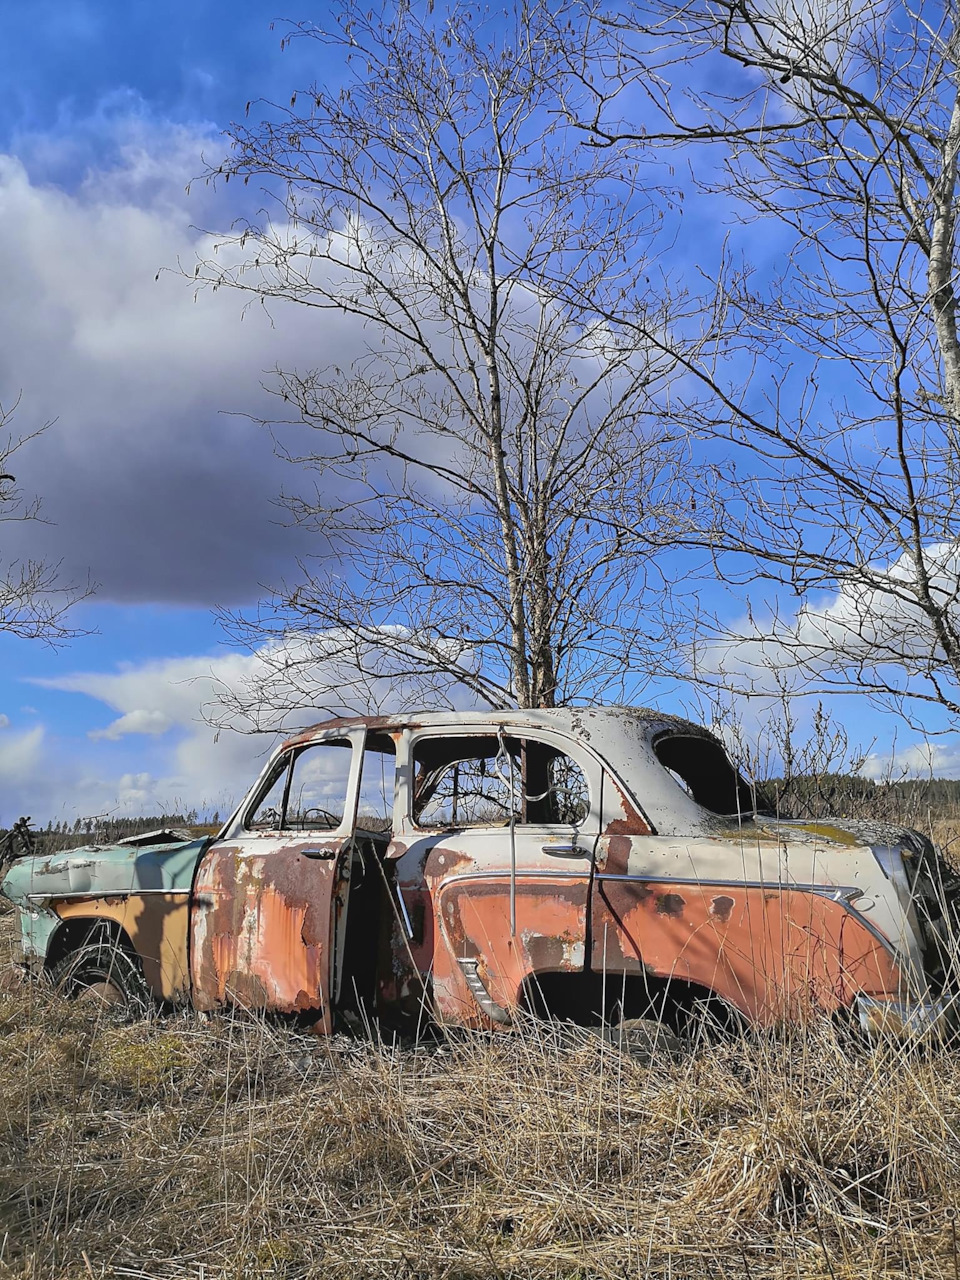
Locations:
(96, 871)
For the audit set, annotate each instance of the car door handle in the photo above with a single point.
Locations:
(564, 850)
(318, 853)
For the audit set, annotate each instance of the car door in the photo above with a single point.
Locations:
(510, 832)
(262, 932)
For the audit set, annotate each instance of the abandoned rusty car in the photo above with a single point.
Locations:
(598, 865)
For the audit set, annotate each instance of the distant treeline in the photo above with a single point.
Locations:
(916, 802)
(101, 830)
(912, 801)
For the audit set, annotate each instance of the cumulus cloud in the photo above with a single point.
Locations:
(175, 759)
(150, 481)
(866, 639)
(867, 626)
(138, 721)
(917, 760)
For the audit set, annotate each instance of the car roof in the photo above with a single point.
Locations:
(576, 721)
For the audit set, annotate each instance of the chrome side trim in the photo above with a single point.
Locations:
(503, 873)
(106, 893)
(826, 890)
(541, 873)
(405, 913)
(494, 1011)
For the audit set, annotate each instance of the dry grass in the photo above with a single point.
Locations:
(229, 1148)
(945, 834)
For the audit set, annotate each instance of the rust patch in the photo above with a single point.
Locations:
(442, 861)
(262, 927)
(670, 904)
(618, 854)
(475, 920)
(778, 957)
(633, 823)
(546, 953)
(387, 724)
(721, 907)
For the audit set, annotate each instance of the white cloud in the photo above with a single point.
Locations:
(918, 760)
(139, 721)
(20, 758)
(860, 626)
(845, 642)
(174, 760)
(137, 793)
(4, 722)
(159, 702)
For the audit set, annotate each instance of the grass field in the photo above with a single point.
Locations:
(229, 1148)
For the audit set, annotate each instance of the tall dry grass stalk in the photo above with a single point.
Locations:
(178, 1147)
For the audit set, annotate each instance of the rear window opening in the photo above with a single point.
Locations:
(703, 769)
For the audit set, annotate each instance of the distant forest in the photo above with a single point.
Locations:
(102, 831)
(916, 803)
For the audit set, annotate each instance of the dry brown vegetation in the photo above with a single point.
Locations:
(230, 1148)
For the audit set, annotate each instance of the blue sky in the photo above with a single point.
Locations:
(189, 61)
(105, 111)
(151, 482)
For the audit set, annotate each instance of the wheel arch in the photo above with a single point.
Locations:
(74, 933)
(590, 998)
(154, 929)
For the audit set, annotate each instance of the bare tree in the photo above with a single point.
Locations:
(832, 378)
(34, 601)
(487, 498)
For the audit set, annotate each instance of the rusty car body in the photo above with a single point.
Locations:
(595, 864)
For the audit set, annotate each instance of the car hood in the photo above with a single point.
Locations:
(101, 870)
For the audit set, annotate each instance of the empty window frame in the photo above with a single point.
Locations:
(703, 769)
(377, 780)
(306, 790)
(484, 780)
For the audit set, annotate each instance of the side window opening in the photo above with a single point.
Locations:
(307, 791)
(702, 768)
(484, 780)
(375, 803)
(265, 813)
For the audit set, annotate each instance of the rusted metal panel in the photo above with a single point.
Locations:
(143, 888)
(262, 925)
(773, 953)
(474, 915)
